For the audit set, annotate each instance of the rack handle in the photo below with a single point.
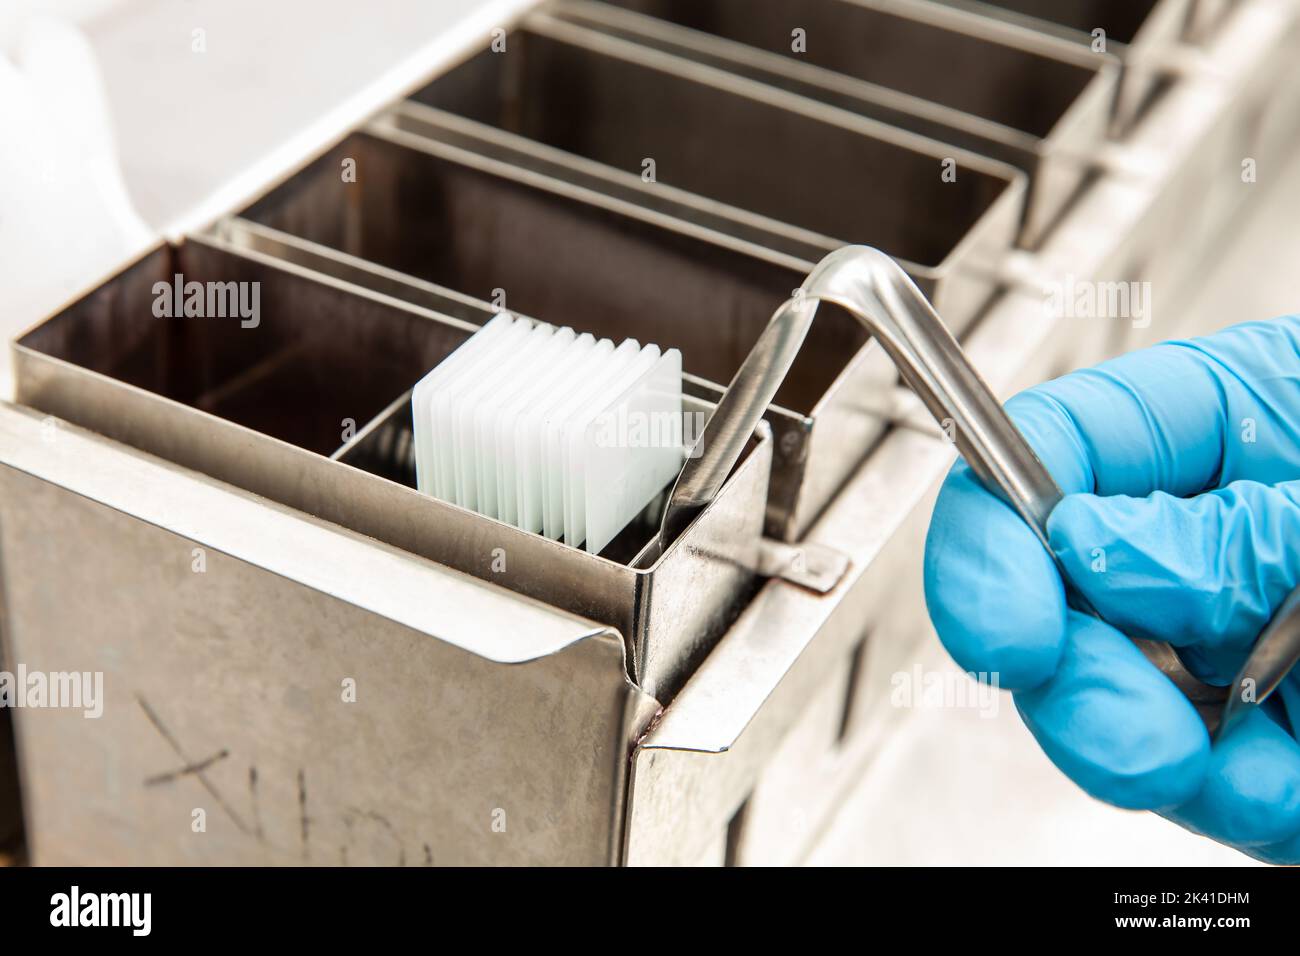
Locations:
(875, 290)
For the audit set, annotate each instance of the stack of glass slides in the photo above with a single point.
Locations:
(549, 430)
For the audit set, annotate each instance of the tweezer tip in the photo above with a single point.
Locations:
(1234, 710)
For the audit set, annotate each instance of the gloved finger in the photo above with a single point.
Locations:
(1115, 725)
(1286, 853)
(1203, 573)
(1180, 417)
(1251, 795)
(1154, 419)
(992, 590)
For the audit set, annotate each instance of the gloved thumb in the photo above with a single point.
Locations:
(1203, 573)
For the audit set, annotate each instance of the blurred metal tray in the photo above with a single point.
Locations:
(730, 154)
(860, 55)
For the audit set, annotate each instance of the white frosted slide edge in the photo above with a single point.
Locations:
(549, 430)
(632, 450)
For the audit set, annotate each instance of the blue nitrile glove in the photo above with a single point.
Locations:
(1181, 466)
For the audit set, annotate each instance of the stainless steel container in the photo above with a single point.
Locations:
(324, 666)
(860, 55)
(267, 407)
(1122, 20)
(622, 270)
(582, 113)
(1144, 34)
(736, 156)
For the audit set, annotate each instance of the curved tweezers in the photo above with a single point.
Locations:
(872, 288)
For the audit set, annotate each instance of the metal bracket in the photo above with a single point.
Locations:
(813, 566)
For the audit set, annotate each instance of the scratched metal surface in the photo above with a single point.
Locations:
(223, 688)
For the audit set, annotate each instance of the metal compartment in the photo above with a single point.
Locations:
(496, 238)
(876, 58)
(433, 225)
(265, 406)
(1123, 20)
(785, 171)
(1144, 34)
(293, 373)
(473, 704)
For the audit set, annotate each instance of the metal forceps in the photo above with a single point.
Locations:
(875, 290)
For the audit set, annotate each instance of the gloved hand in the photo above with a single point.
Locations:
(1181, 467)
